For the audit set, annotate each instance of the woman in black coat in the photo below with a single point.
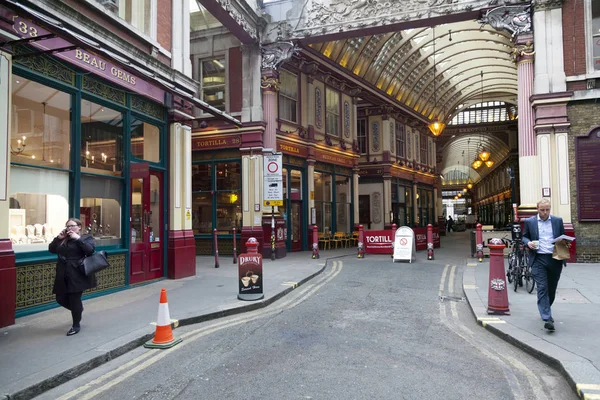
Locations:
(70, 282)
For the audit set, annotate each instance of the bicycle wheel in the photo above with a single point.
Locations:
(512, 265)
(516, 277)
(529, 282)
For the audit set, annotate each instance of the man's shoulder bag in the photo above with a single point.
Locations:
(95, 263)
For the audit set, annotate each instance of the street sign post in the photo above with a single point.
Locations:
(272, 189)
(272, 180)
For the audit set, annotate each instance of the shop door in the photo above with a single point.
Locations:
(146, 251)
(364, 210)
(296, 225)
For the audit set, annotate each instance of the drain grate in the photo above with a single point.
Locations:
(451, 298)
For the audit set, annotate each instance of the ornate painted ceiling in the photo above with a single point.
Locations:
(433, 59)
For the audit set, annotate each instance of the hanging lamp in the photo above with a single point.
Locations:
(436, 127)
(484, 155)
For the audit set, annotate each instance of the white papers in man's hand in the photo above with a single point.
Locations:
(565, 237)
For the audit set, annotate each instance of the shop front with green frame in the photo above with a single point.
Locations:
(216, 200)
(73, 140)
(295, 210)
(334, 190)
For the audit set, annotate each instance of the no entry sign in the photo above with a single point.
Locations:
(273, 180)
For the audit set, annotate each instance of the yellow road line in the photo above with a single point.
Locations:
(190, 337)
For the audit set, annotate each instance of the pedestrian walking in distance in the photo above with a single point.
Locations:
(71, 246)
(538, 234)
(450, 223)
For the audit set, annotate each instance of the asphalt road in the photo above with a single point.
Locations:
(363, 329)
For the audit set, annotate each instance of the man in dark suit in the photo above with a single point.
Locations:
(538, 233)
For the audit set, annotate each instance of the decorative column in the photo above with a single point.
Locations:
(516, 20)
(529, 166)
(181, 245)
(355, 194)
(270, 86)
(273, 55)
(387, 200)
(5, 140)
(415, 210)
(251, 84)
(549, 102)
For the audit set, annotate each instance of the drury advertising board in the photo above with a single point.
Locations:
(250, 275)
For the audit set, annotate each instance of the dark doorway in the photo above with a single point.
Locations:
(364, 210)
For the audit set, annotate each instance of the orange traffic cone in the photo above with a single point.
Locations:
(163, 337)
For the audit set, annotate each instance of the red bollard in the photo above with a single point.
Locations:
(429, 242)
(361, 245)
(234, 247)
(497, 295)
(394, 227)
(315, 245)
(479, 242)
(216, 248)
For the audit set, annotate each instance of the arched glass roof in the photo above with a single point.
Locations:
(437, 72)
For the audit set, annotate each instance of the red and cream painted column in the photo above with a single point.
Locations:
(529, 166)
(549, 102)
(270, 87)
(181, 245)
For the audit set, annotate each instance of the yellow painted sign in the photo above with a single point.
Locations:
(188, 215)
(272, 203)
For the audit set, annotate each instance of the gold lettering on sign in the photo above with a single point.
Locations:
(289, 149)
(88, 59)
(211, 143)
(122, 75)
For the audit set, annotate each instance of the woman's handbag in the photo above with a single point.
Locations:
(95, 263)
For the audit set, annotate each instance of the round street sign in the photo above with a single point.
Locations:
(272, 167)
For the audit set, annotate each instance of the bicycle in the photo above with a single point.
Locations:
(518, 266)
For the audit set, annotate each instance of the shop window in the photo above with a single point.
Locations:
(423, 149)
(202, 212)
(201, 177)
(332, 112)
(323, 201)
(101, 139)
(100, 208)
(342, 204)
(288, 96)
(361, 135)
(400, 140)
(145, 141)
(228, 176)
(38, 207)
(212, 73)
(41, 125)
(409, 206)
(138, 13)
(221, 200)
(229, 211)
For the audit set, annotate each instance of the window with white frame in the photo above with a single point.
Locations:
(212, 79)
(288, 96)
(361, 135)
(400, 139)
(138, 13)
(332, 112)
(423, 149)
(595, 35)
